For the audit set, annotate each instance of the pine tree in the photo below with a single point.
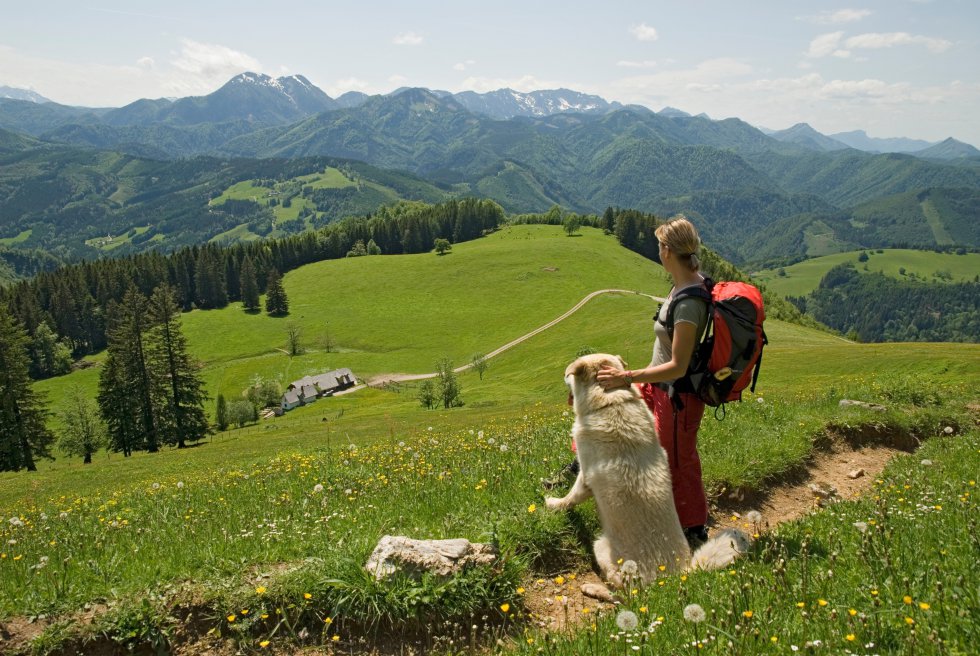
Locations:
(276, 302)
(24, 436)
(250, 285)
(181, 410)
(130, 377)
(119, 407)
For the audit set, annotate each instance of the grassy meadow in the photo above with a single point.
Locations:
(803, 277)
(259, 535)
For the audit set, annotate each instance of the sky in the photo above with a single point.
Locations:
(894, 68)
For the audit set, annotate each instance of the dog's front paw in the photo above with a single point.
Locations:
(553, 503)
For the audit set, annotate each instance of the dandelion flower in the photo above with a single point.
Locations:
(336, 638)
(850, 637)
(318, 488)
(747, 614)
(264, 644)
(923, 605)
(231, 618)
(909, 621)
(627, 620)
(822, 602)
(532, 508)
(505, 607)
(754, 516)
(260, 590)
(307, 595)
(629, 568)
(907, 599)
(520, 590)
(852, 612)
(694, 613)
(560, 580)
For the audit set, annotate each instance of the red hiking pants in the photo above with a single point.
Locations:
(680, 440)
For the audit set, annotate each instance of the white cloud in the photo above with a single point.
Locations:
(825, 44)
(644, 32)
(340, 87)
(407, 39)
(145, 62)
(837, 17)
(463, 65)
(875, 40)
(646, 63)
(213, 61)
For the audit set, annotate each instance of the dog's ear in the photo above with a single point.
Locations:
(579, 369)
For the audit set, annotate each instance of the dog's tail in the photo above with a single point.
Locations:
(721, 550)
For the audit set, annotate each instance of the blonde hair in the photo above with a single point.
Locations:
(681, 237)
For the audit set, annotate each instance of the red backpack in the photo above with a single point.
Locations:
(730, 354)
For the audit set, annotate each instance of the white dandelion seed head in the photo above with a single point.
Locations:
(948, 430)
(155, 486)
(429, 428)
(694, 613)
(926, 462)
(318, 488)
(629, 568)
(44, 517)
(491, 441)
(15, 521)
(348, 491)
(627, 620)
(861, 526)
(503, 448)
(180, 485)
(760, 400)
(480, 435)
(63, 515)
(754, 516)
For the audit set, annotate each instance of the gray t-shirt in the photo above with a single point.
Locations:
(688, 310)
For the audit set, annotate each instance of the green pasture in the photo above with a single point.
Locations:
(16, 239)
(267, 527)
(330, 178)
(803, 277)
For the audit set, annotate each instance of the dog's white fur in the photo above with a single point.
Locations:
(624, 467)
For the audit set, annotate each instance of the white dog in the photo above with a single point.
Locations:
(624, 467)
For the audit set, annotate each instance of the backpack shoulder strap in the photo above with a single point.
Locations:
(702, 292)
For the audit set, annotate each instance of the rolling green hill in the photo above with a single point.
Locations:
(85, 203)
(803, 277)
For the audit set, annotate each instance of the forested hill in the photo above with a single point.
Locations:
(873, 307)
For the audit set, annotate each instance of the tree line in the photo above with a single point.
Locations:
(67, 309)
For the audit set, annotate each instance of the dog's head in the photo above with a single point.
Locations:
(583, 388)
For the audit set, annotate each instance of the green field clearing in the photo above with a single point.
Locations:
(803, 277)
(16, 239)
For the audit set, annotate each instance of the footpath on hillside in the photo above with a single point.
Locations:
(382, 380)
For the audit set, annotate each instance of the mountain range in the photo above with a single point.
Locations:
(750, 190)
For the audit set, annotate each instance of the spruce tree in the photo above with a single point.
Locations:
(276, 302)
(249, 285)
(24, 436)
(221, 413)
(181, 410)
(119, 407)
(132, 376)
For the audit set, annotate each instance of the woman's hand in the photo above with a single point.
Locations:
(610, 377)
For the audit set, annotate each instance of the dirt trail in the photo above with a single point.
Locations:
(839, 472)
(384, 379)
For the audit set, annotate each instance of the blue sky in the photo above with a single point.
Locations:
(893, 68)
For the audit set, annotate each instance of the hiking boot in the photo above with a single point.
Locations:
(565, 476)
(696, 536)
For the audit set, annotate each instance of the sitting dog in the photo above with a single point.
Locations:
(624, 467)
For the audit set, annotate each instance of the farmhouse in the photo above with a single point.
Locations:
(309, 388)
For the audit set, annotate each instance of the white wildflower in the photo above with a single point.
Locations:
(627, 620)
(694, 613)
(861, 526)
(15, 521)
(629, 568)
